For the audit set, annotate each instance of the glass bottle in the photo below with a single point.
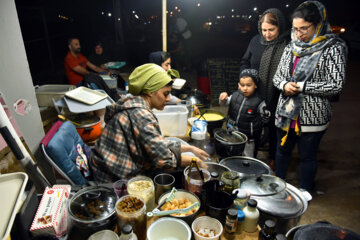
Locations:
(268, 231)
(251, 216)
(127, 233)
(241, 198)
(231, 221)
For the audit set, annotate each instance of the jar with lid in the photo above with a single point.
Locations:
(127, 233)
(131, 209)
(240, 223)
(268, 231)
(251, 216)
(241, 198)
(231, 220)
(231, 180)
(144, 187)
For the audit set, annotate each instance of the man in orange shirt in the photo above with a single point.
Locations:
(75, 63)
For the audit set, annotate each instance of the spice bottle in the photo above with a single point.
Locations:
(241, 218)
(127, 233)
(251, 216)
(241, 198)
(231, 221)
(268, 231)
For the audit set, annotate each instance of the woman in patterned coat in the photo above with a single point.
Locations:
(311, 71)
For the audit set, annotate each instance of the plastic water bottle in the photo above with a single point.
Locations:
(127, 86)
(127, 233)
(251, 216)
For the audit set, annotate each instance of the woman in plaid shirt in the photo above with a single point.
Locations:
(131, 142)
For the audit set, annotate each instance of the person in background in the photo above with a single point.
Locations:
(98, 57)
(311, 71)
(131, 142)
(75, 63)
(247, 111)
(163, 59)
(263, 54)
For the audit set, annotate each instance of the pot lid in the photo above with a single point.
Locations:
(92, 204)
(246, 165)
(227, 137)
(262, 185)
(324, 231)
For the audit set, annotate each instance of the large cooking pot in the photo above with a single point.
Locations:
(229, 144)
(321, 231)
(277, 200)
(246, 165)
(214, 119)
(196, 97)
(89, 127)
(92, 209)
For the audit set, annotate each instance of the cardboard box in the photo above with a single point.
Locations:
(51, 215)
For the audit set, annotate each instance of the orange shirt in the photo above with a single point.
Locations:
(70, 62)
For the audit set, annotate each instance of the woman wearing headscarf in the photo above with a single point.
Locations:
(131, 142)
(263, 54)
(311, 71)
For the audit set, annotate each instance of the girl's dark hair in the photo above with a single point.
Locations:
(164, 56)
(269, 18)
(309, 12)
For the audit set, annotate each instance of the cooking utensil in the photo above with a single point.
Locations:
(202, 115)
(246, 165)
(229, 144)
(62, 117)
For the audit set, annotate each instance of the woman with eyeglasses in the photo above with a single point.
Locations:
(263, 54)
(311, 71)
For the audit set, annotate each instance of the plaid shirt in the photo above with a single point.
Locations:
(130, 146)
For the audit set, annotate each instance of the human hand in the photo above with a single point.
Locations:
(291, 88)
(223, 96)
(201, 154)
(196, 110)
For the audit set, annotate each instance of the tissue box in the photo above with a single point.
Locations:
(51, 215)
(173, 120)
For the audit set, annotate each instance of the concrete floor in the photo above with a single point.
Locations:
(337, 195)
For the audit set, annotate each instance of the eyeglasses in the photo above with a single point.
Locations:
(301, 30)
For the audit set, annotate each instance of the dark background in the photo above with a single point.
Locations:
(46, 26)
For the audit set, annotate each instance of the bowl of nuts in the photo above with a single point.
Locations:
(182, 199)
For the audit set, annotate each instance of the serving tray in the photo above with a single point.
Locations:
(86, 95)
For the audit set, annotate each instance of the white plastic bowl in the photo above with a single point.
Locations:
(207, 222)
(104, 235)
(167, 228)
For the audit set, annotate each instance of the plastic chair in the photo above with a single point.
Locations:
(59, 147)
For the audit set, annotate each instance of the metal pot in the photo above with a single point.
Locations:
(92, 209)
(246, 165)
(321, 231)
(196, 97)
(277, 200)
(229, 144)
(89, 128)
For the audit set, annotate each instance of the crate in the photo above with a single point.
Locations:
(173, 120)
(44, 93)
(110, 81)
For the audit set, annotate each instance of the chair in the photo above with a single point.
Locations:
(59, 148)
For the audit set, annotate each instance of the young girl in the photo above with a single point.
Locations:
(247, 111)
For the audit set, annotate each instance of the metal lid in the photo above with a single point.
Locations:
(93, 204)
(262, 185)
(229, 138)
(246, 165)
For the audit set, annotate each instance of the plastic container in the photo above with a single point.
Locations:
(205, 222)
(144, 187)
(136, 218)
(173, 120)
(169, 229)
(193, 182)
(251, 216)
(242, 196)
(44, 93)
(240, 223)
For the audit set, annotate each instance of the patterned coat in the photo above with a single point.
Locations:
(327, 81)
(131, 143)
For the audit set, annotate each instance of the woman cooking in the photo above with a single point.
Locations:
(131, 142)
(311, 71)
